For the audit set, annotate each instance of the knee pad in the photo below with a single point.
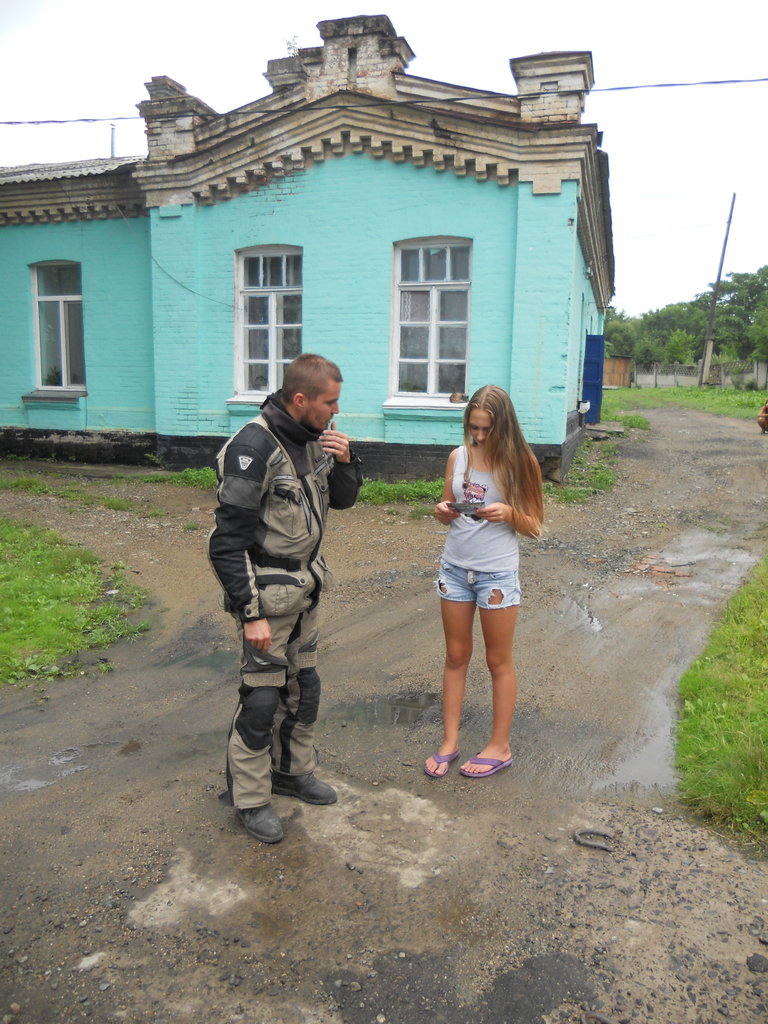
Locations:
(309, 695)
(257, 715)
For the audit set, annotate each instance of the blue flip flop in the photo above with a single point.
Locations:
(442, 759)
(495, 766)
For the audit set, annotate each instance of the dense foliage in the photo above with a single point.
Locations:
(678, 332)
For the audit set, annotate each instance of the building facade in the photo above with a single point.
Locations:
(429, 238)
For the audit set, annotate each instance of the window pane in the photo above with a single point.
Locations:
(409, 265)
(50, 344)
(293, 271)
(414, 342)
(414, 306)
(273, 272)
(453, 305)
(61, 280)
(289, 309)
(288, 343)
(257, 309)
(453, 343)
(75, 354)
(413, 377)
(257, 344)
(435, 264)
(451, 377)
(460, 263)
(256, 377)
(253, 272)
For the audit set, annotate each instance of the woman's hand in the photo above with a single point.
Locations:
(497, 512)
(444, 514)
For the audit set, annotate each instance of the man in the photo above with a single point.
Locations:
(278, 475)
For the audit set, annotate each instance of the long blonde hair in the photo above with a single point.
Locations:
(515, 468)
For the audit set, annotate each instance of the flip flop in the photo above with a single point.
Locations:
(442, 759)
(496, 766)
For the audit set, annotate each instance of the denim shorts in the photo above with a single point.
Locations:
(456, 584)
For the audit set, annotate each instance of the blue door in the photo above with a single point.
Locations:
(592, 388)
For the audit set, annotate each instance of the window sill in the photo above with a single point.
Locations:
(254, 398)
(421, 402)
(68, 396)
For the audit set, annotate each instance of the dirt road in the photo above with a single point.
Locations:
(134, 896)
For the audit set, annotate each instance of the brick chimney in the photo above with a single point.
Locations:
(358, 54)
(171, 116)
(551, 86)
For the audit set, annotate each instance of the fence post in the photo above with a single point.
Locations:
(655, 375)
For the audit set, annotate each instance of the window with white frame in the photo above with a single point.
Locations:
(59, 324)
(270, 316)
(432, 316)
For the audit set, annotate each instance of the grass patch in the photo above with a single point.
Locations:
(378, 492)
(591, 471)
(56, 600)
(720, 401)
(722, 736)
(204, 478)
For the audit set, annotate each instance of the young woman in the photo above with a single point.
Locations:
(496, 481)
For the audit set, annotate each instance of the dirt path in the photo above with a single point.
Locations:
(135, 897)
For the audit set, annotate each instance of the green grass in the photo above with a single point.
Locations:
(204, 479)
(56, 600)
(378, 492)
(591, 471)
(721, 401)
(722, 736)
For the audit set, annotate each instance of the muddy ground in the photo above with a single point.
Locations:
(132, 895)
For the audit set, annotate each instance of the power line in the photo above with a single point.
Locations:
(414, 102)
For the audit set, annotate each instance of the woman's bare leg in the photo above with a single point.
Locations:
(498, 626)
(458, 617)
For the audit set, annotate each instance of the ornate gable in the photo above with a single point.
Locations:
(352, 95)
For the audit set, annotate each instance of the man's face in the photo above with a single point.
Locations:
(316, 412)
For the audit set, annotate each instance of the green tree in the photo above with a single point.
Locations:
(758, 331)
(620, 333)
(679, 347)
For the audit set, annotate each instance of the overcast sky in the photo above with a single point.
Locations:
(677, 155)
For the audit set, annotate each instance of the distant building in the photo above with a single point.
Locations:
(429, 238)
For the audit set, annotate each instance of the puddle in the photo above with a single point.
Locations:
(398, 710)
(224, 661)
(576, 617)
(652, 766)
(23, 779)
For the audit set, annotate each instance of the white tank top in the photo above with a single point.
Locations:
(475, 543)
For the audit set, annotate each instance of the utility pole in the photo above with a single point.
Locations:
(710, 342)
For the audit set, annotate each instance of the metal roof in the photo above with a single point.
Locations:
(74, 169)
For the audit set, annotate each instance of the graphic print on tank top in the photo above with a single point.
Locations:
(474, 492)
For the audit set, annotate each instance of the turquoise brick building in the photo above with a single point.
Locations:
(427, 237)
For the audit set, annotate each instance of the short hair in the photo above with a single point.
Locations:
(309, 374)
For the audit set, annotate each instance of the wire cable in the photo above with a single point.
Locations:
(477, 95)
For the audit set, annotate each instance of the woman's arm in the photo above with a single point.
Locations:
(443, 514)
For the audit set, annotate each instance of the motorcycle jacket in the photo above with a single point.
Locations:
(275, 487)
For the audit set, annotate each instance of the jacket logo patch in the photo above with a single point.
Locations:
(244, 461)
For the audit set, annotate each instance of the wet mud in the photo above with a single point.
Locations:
(133, 895)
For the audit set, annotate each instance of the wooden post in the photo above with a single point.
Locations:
(709, 344)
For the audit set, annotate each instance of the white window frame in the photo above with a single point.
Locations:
(242, 293)
(62, 302)
(432, 396)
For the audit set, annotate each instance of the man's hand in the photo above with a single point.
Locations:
(335, 443)
(258, 633)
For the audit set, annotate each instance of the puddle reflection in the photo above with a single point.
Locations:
(397, 710)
